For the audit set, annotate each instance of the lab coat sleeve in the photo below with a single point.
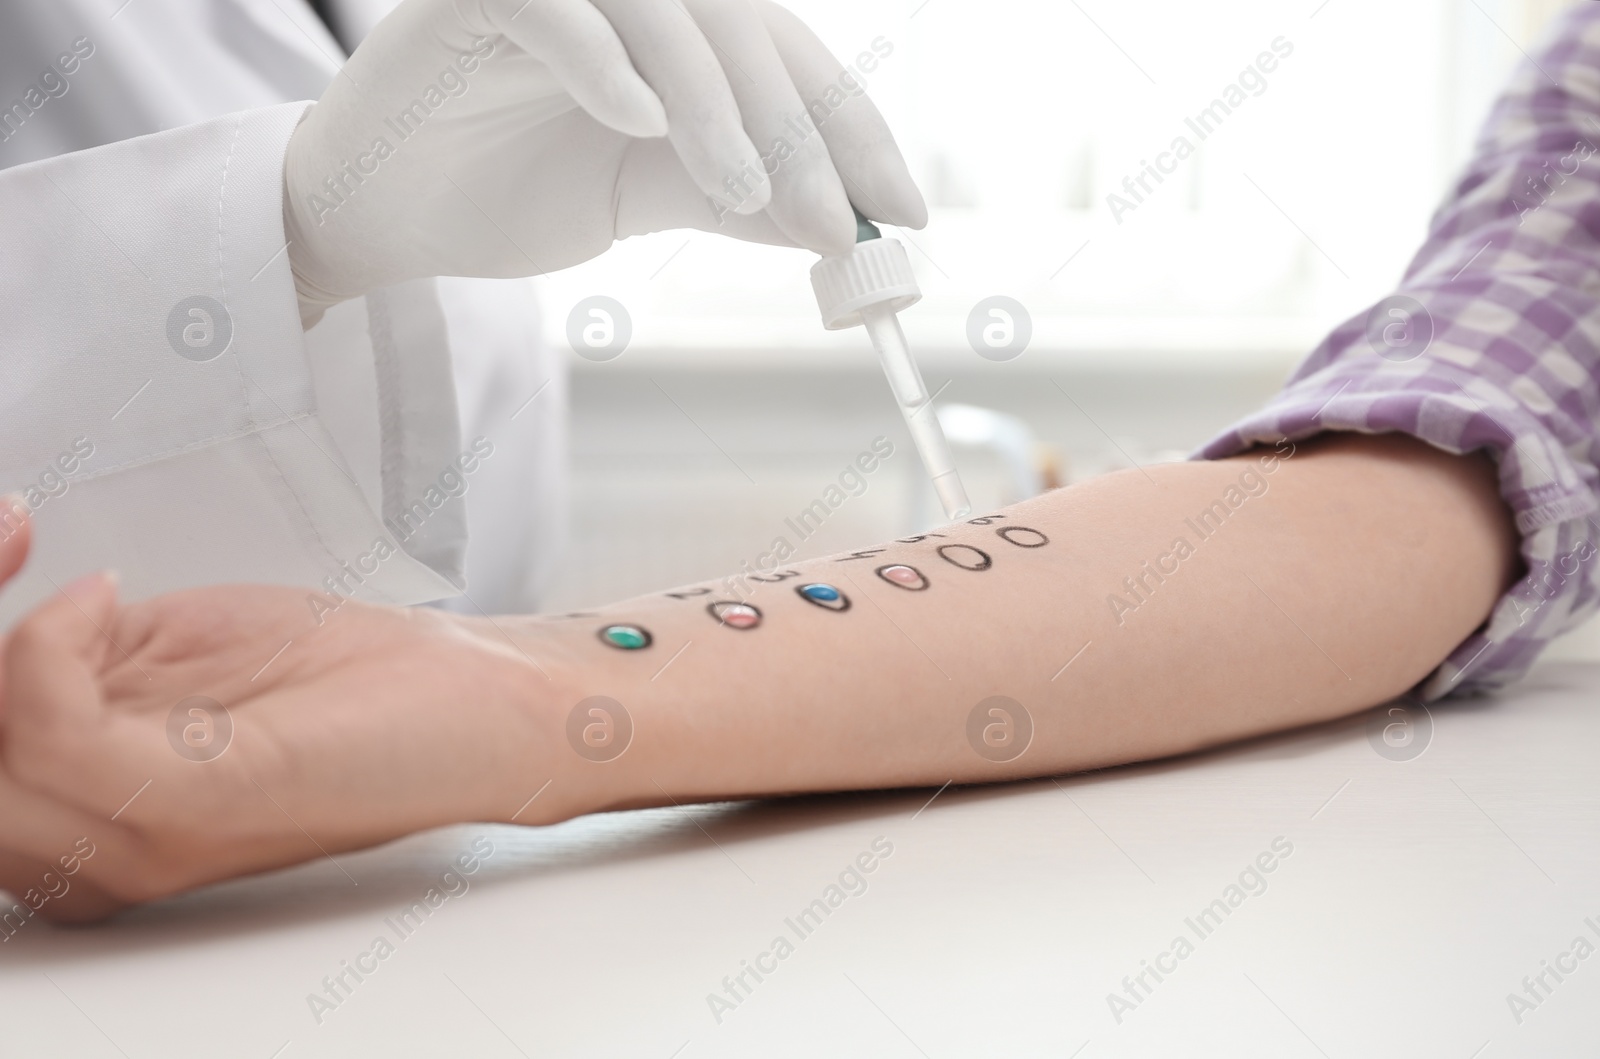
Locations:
(1492, 343)
(160, 405)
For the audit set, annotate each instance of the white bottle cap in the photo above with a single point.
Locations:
(874, 272)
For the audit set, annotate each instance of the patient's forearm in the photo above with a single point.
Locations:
(1142, 614)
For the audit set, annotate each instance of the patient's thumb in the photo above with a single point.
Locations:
(16, 532)
(53, 656)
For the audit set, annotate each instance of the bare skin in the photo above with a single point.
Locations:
(1347, 570)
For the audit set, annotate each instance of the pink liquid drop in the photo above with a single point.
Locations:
(904, 576)
(740, 617)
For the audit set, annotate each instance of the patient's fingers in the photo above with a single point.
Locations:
(56, 891)
(75, 767)
(53, 655)
(16, 536)
(16, 533)
(65, 780)
(55, 718)
(80, 846)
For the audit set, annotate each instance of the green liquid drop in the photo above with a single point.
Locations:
(628, 638)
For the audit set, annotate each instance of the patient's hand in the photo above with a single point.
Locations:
(40, 852)
(375, 723)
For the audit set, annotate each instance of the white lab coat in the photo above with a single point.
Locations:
(143, 189)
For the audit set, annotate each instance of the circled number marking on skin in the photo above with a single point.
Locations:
(965, 556)
(1029, 538)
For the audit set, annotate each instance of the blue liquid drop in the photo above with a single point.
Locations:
(825, 596)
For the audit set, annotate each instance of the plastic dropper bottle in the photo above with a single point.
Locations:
(868, 286)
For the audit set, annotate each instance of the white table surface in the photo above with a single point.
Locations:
(1418, 895)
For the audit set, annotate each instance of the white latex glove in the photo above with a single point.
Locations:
(548, 129)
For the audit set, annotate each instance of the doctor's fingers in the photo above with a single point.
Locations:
(808, 200)
(581, 50)
(656, 194)
(858, 139)
(598, 50)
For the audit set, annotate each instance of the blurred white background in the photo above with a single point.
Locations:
(1020, 117)
(1150, 331)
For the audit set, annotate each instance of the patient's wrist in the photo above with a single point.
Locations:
(547, 766)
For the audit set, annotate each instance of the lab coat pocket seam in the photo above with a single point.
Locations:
(254, 430)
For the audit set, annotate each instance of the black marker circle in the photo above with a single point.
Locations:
(1005, 530)
(984, 562)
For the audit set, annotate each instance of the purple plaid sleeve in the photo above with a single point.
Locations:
(1492, 342)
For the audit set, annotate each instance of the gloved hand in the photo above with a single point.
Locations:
(517, 137)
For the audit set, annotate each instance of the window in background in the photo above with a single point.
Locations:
(1297, 200)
